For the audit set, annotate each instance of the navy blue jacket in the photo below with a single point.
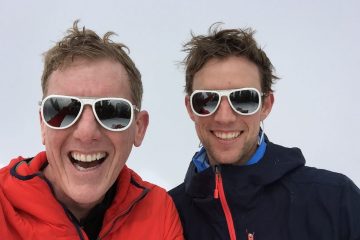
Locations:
(279, 198)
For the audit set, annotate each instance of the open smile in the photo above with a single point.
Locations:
(86, 162)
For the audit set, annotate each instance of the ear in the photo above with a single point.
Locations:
(188, 107)
(142, 122)
(43, 128)
(267, 106)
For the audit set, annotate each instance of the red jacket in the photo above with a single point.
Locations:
(29, 210)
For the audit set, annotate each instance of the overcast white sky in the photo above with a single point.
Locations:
(314, 46)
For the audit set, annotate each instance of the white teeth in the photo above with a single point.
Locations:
(227, 135)
(87, 157)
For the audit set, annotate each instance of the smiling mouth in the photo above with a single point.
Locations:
(84, 162)
(227, 135)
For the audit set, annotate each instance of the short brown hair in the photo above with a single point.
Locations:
(222, 44)
(85, 43)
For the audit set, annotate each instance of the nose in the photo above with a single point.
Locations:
(224, 114)
(87, 129)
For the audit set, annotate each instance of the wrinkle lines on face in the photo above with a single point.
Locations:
(77, 177)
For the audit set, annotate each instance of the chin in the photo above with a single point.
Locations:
(226, 158)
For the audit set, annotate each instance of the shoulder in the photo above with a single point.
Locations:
(6, 169)
(178, 190)
(308, 183)
(326, 198)
(6, 178)
(156, 196)
(314, 176)
(302, 175)
(183, 202)
(151, 211)
(178, 194)
(152, 188)
(157, 202)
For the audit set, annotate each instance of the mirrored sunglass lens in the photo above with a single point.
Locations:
(60, 112)
(204, 103)
(245, 101)
(115, 114)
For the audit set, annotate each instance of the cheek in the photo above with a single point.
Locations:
(202, 128)
(199, 125)
(254, 124)
(54, 140)
(122, 145)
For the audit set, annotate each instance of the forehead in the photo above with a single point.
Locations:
(228, 73)
(94, 78)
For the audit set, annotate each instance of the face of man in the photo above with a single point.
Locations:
(84, 185)
(229, 138)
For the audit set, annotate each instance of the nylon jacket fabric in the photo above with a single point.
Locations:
(29, 210)
(277, 198)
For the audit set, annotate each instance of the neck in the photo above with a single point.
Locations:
(79, 210)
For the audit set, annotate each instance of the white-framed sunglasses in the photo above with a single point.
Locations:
(61, 112)
(244, 101)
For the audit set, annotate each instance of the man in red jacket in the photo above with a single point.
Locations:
(80, 187)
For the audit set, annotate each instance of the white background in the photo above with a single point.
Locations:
(314, 46)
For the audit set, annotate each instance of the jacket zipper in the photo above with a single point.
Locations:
(219, 193)
(78, 228)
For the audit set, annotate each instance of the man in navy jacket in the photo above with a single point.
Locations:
(240, 185)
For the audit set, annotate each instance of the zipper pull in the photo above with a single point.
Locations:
(217, 180)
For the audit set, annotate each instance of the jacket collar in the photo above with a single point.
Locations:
(28, 182)
(276, 162)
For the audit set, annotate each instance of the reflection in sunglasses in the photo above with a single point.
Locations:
(245, 101)
(60, 112)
